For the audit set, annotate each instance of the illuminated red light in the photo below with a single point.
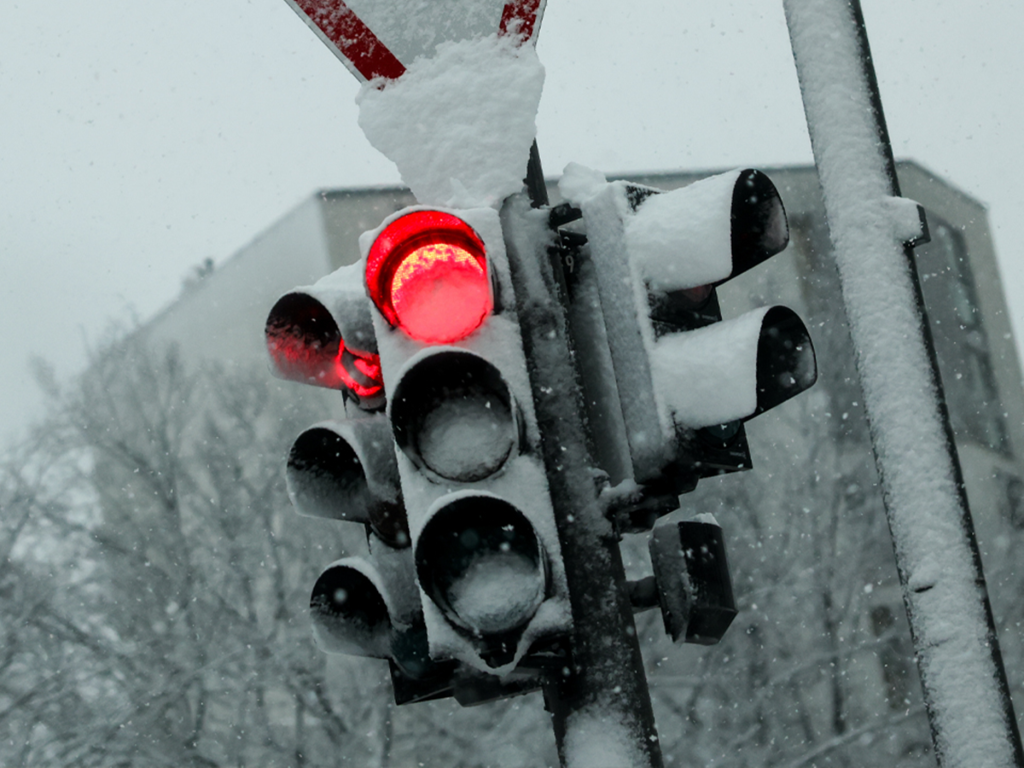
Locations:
(360, 373)
(427, 274)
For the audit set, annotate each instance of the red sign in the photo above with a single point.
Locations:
(379, 38)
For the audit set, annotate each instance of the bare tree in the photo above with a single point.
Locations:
(156, 578)
(156, 583)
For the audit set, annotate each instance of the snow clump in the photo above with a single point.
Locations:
(498, 592)
(459, 125)
(595, 737)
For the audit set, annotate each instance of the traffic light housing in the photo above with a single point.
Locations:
(322, 335)
(474, 588)
(691, 583)
(346, 470)
(684, 381)
(670, 384)
(691, 574)
(485, 546)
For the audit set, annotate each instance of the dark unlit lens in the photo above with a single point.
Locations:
(498, 591)
(452, 413)
(481, 562)
(349, 613)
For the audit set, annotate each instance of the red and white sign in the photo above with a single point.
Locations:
(380, 38)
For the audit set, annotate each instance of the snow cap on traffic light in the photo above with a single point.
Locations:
(459, 125)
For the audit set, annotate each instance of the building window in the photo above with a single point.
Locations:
(1011, 498)
(954, 315)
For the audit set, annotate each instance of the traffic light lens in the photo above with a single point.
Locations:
(302, 339)
(359, 373)
(427, 274)
(786, 365)
(452, 413)
(481, 562)
(306, 345)
(440, 293)
(759, 229)
(325, 477)
(349, 612)
(468, 438)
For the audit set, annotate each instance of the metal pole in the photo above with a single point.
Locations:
(600, 705)
(965, 689)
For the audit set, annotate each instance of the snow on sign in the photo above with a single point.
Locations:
(380, 38)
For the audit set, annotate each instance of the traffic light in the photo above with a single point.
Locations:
(484, 543)
(474, 587)
(322, 335)
(692, 578)
(691, 583)
(441, 457)
(668, 381)
(346, 470)
(683, 379)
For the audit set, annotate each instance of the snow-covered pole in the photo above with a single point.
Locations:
(601, 708)
(965, 689)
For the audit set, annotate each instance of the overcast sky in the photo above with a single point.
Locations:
(137, 139)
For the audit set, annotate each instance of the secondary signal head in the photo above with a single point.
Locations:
(322, 335)
(427, 274)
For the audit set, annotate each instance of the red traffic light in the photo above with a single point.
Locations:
(306, 345)
(359, 372)
(427, 274)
